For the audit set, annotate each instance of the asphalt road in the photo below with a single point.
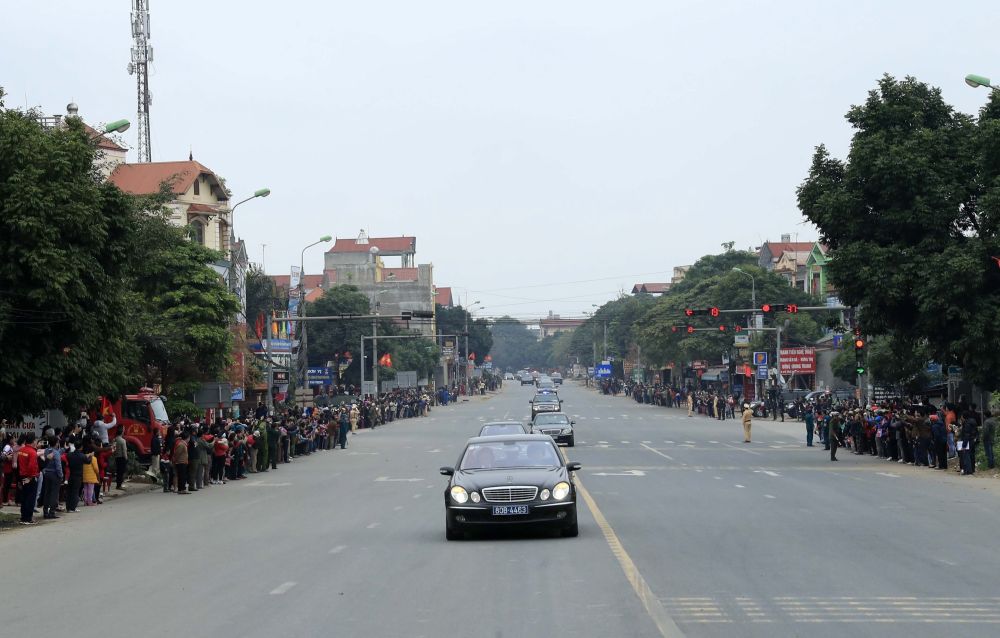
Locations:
(684, 530)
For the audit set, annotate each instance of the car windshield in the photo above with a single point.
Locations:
(549, 419)
(501, 428)
(546, 398)
(509, 454)
(159, 411)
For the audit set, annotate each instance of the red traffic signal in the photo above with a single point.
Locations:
(792, 308)
(689, 312)
(859, 343)
(714, 311)
(722, 328)
(690, 329)
(766, 308)
(737, 328)
(673, 328)
(775, 307)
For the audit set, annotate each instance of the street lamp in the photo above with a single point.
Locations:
(303, 341)
(262, 192)
(976, 81)
(468, 312)
(753, 287)
(118, 126)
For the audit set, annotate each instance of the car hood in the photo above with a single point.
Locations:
(541, 476)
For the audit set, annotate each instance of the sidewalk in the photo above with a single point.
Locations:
(11, 514)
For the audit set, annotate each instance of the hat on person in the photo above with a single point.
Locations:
(746, 405)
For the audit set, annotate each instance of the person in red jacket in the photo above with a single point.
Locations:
(27, 470)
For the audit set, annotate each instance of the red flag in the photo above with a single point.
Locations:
(106, 410)
(259, 326)
(386, 360)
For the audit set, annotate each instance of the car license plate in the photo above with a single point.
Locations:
(509, 510)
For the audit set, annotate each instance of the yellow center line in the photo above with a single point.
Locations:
(657, 613)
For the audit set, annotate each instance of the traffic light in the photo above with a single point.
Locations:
(714, 311)
(860, 369)
(689, 312)
(859, 344)
(790, 308)
(737, 328)
(722, 328)
(859, 351)
(690, 329)
(673, 328)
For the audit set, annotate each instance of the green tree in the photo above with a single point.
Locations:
(65, 240)
(327, 339)
(911, 218)
(514, 345)
(187, 309)
(262, 297)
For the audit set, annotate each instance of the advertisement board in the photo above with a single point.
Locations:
(798, 361)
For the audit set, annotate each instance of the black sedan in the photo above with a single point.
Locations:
(555, 424)
(498, 428)
(514, 480)
(545, 402)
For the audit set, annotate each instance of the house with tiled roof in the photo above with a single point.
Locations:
(200, 199)
(651, 288)
(443, 296)
(771, 251)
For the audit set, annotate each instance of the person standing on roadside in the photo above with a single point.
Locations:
(75, 460)
(52, 472)
(747, 421)
(90, 472)
(180, 458)
(810, 424)
(690, 402)
(989, 433)
(27, 471)
(101, 427)
(345, 426)
(834, 433)
(121, 459)
(196, 462)
(155, 447)
(968, 433)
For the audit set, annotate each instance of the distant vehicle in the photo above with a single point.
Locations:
(545, 402)
(510, 480)
(527, 379)
(508, 376)
(499, 428)
(545, 383)
(842, 394)
(557, 425)
(556, 378)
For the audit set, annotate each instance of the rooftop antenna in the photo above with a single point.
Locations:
(142, 55)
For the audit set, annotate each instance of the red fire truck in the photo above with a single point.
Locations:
(139, 414)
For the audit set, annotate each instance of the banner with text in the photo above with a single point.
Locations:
(798, 361)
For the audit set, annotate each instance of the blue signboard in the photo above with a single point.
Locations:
(761, 372)
(603, 370)
(760, 358)
(278, 346)
(320, 376)
(237, 395)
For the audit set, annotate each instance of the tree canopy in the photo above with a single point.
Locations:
(911, 218)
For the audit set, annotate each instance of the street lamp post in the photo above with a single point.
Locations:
(262, 192)
(976, 81)
(753, 291)
(303, 341)
(468, 375)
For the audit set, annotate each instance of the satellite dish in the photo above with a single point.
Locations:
(131, 68)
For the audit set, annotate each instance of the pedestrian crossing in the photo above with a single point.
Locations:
(833, 609)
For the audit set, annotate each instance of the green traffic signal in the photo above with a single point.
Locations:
(860, 369)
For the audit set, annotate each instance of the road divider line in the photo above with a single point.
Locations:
(657, 612)
(655, 451)
(282, 588)
(338, 549)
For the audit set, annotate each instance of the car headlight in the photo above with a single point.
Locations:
(459, 495)
(567, 430)
(544, 495)
(560, 491)
(475, 497)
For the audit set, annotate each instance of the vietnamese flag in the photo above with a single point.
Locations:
(106, 410)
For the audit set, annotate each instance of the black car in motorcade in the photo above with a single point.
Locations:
(545, 402)
(555, 424)
(515, 480)
(498, 428)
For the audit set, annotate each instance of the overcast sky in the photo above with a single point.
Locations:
(546, 154)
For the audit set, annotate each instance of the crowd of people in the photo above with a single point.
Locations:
(916, 432)
(63, 469)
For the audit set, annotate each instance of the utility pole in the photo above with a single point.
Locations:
(375, 362)
(270, 366)
(142, 55)
(467, 376)
(605, 340)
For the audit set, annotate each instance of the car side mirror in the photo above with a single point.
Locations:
(447, 471)
(573, 466)
(572, 422)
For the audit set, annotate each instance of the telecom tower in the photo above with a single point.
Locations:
(142, 55)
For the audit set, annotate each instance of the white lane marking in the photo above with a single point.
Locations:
(362, 453)
(397, 508)
(603, 442)
(655, 451)
(689, 442)
(597, 418)
(417, 495)
(646, 442)
(625, 443)
(263, 484)
(768, 496)
(889, 474)
(625, 473)
(743, 449)
(282, 588)
(373, 525)
(610, 418)
(715, 442)
(338, 549)
(739, 486)
(386, 479)
(433, 451)
(717, 478)
(768, 472)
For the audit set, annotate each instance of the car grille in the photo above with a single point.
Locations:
(513, 494)
(552, 432)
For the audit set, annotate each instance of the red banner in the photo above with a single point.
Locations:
(798, 360)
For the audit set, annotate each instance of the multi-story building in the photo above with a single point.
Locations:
(405, 286)
(651, 288)
(770, 253)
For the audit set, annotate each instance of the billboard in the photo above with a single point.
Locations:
(798, 361)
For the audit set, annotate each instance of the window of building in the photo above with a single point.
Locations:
(198, 232)
(197, 186)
